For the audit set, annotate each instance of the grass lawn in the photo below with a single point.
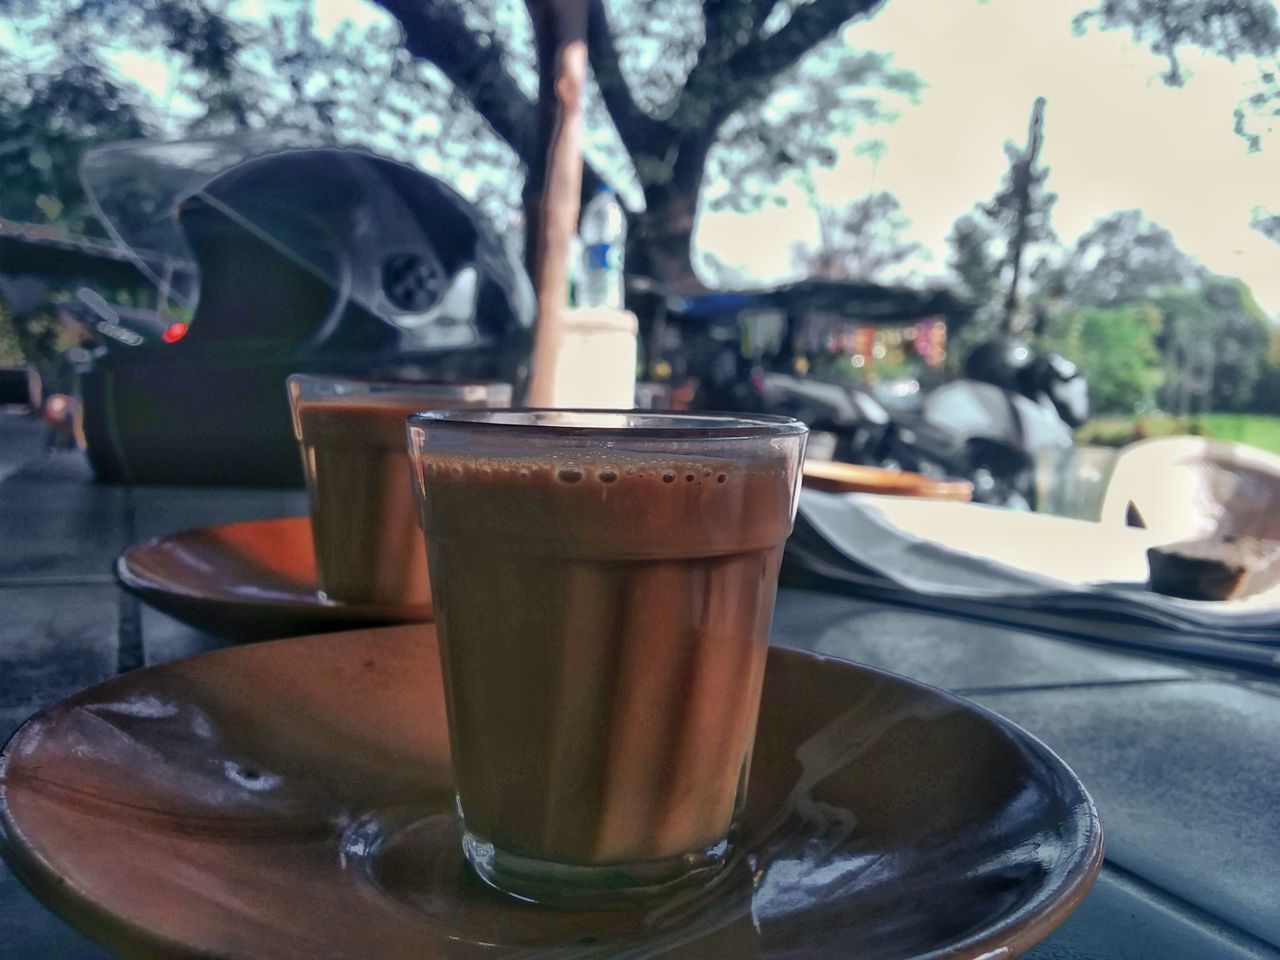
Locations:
(1253, 429)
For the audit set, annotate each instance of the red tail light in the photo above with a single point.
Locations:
(174, 332)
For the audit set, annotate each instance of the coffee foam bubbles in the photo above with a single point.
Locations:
(588, 470)
(608, 502)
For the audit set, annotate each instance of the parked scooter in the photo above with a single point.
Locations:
(989, 427)
(858, 422)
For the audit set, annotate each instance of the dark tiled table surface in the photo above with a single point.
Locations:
(1183, 761)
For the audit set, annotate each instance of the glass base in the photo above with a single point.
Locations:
(590, 887)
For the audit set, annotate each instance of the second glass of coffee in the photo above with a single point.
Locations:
(368, 541)
(604, 586)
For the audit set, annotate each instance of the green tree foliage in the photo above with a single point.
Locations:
(10, 347)
(725, 96)
(1148, 324)
(46, 121)
(973, 260)
(1266, 396)
(863, 241)
(730, 94)
(1210, 342)
(1266, 223)
(1022, 211)
(1125, 257)
(1233, 29)
(1117, 348)
(974, 264)
(694, 102)
(1018, 220)
(832, 92)
(988, 245)
(1221, 325)
(1226, 28)
(359, 86)
(1002, 210)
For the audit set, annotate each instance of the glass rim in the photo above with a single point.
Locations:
(374, 392)
(391, 382)
(643, 424)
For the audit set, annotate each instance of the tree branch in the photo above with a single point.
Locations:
(436, 31)
(727, 22)
(760, 62)
(1023, 178)
(763, 9)
(1266, 223)
(640, 133)
(707, 98)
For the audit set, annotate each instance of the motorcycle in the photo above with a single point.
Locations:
(988, 427)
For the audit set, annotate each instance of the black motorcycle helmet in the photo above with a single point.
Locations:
(1065, 385)
(310, 260)
(388, 241)
(1009, 363)
(1002, 361)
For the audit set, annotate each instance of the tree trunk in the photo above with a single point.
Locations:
(736, 66)
(662, 250)
(1024, 179)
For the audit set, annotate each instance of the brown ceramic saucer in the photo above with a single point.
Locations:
(291, 801)
(835, 477)
(253, 581)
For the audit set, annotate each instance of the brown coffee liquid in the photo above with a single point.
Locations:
(369, 547)
(603, 628)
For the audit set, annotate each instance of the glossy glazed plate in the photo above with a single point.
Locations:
(832, 476)
(253, 581)
(292, 800)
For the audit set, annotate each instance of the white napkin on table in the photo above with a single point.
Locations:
(1035, 569)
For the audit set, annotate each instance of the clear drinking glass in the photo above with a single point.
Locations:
(368, 541)
(604, 585)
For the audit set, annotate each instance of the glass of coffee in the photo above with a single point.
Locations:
(604, 585)
(364, 519)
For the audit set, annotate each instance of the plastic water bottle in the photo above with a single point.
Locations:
(603, 229)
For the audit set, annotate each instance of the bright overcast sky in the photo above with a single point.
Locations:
(1115, 137)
